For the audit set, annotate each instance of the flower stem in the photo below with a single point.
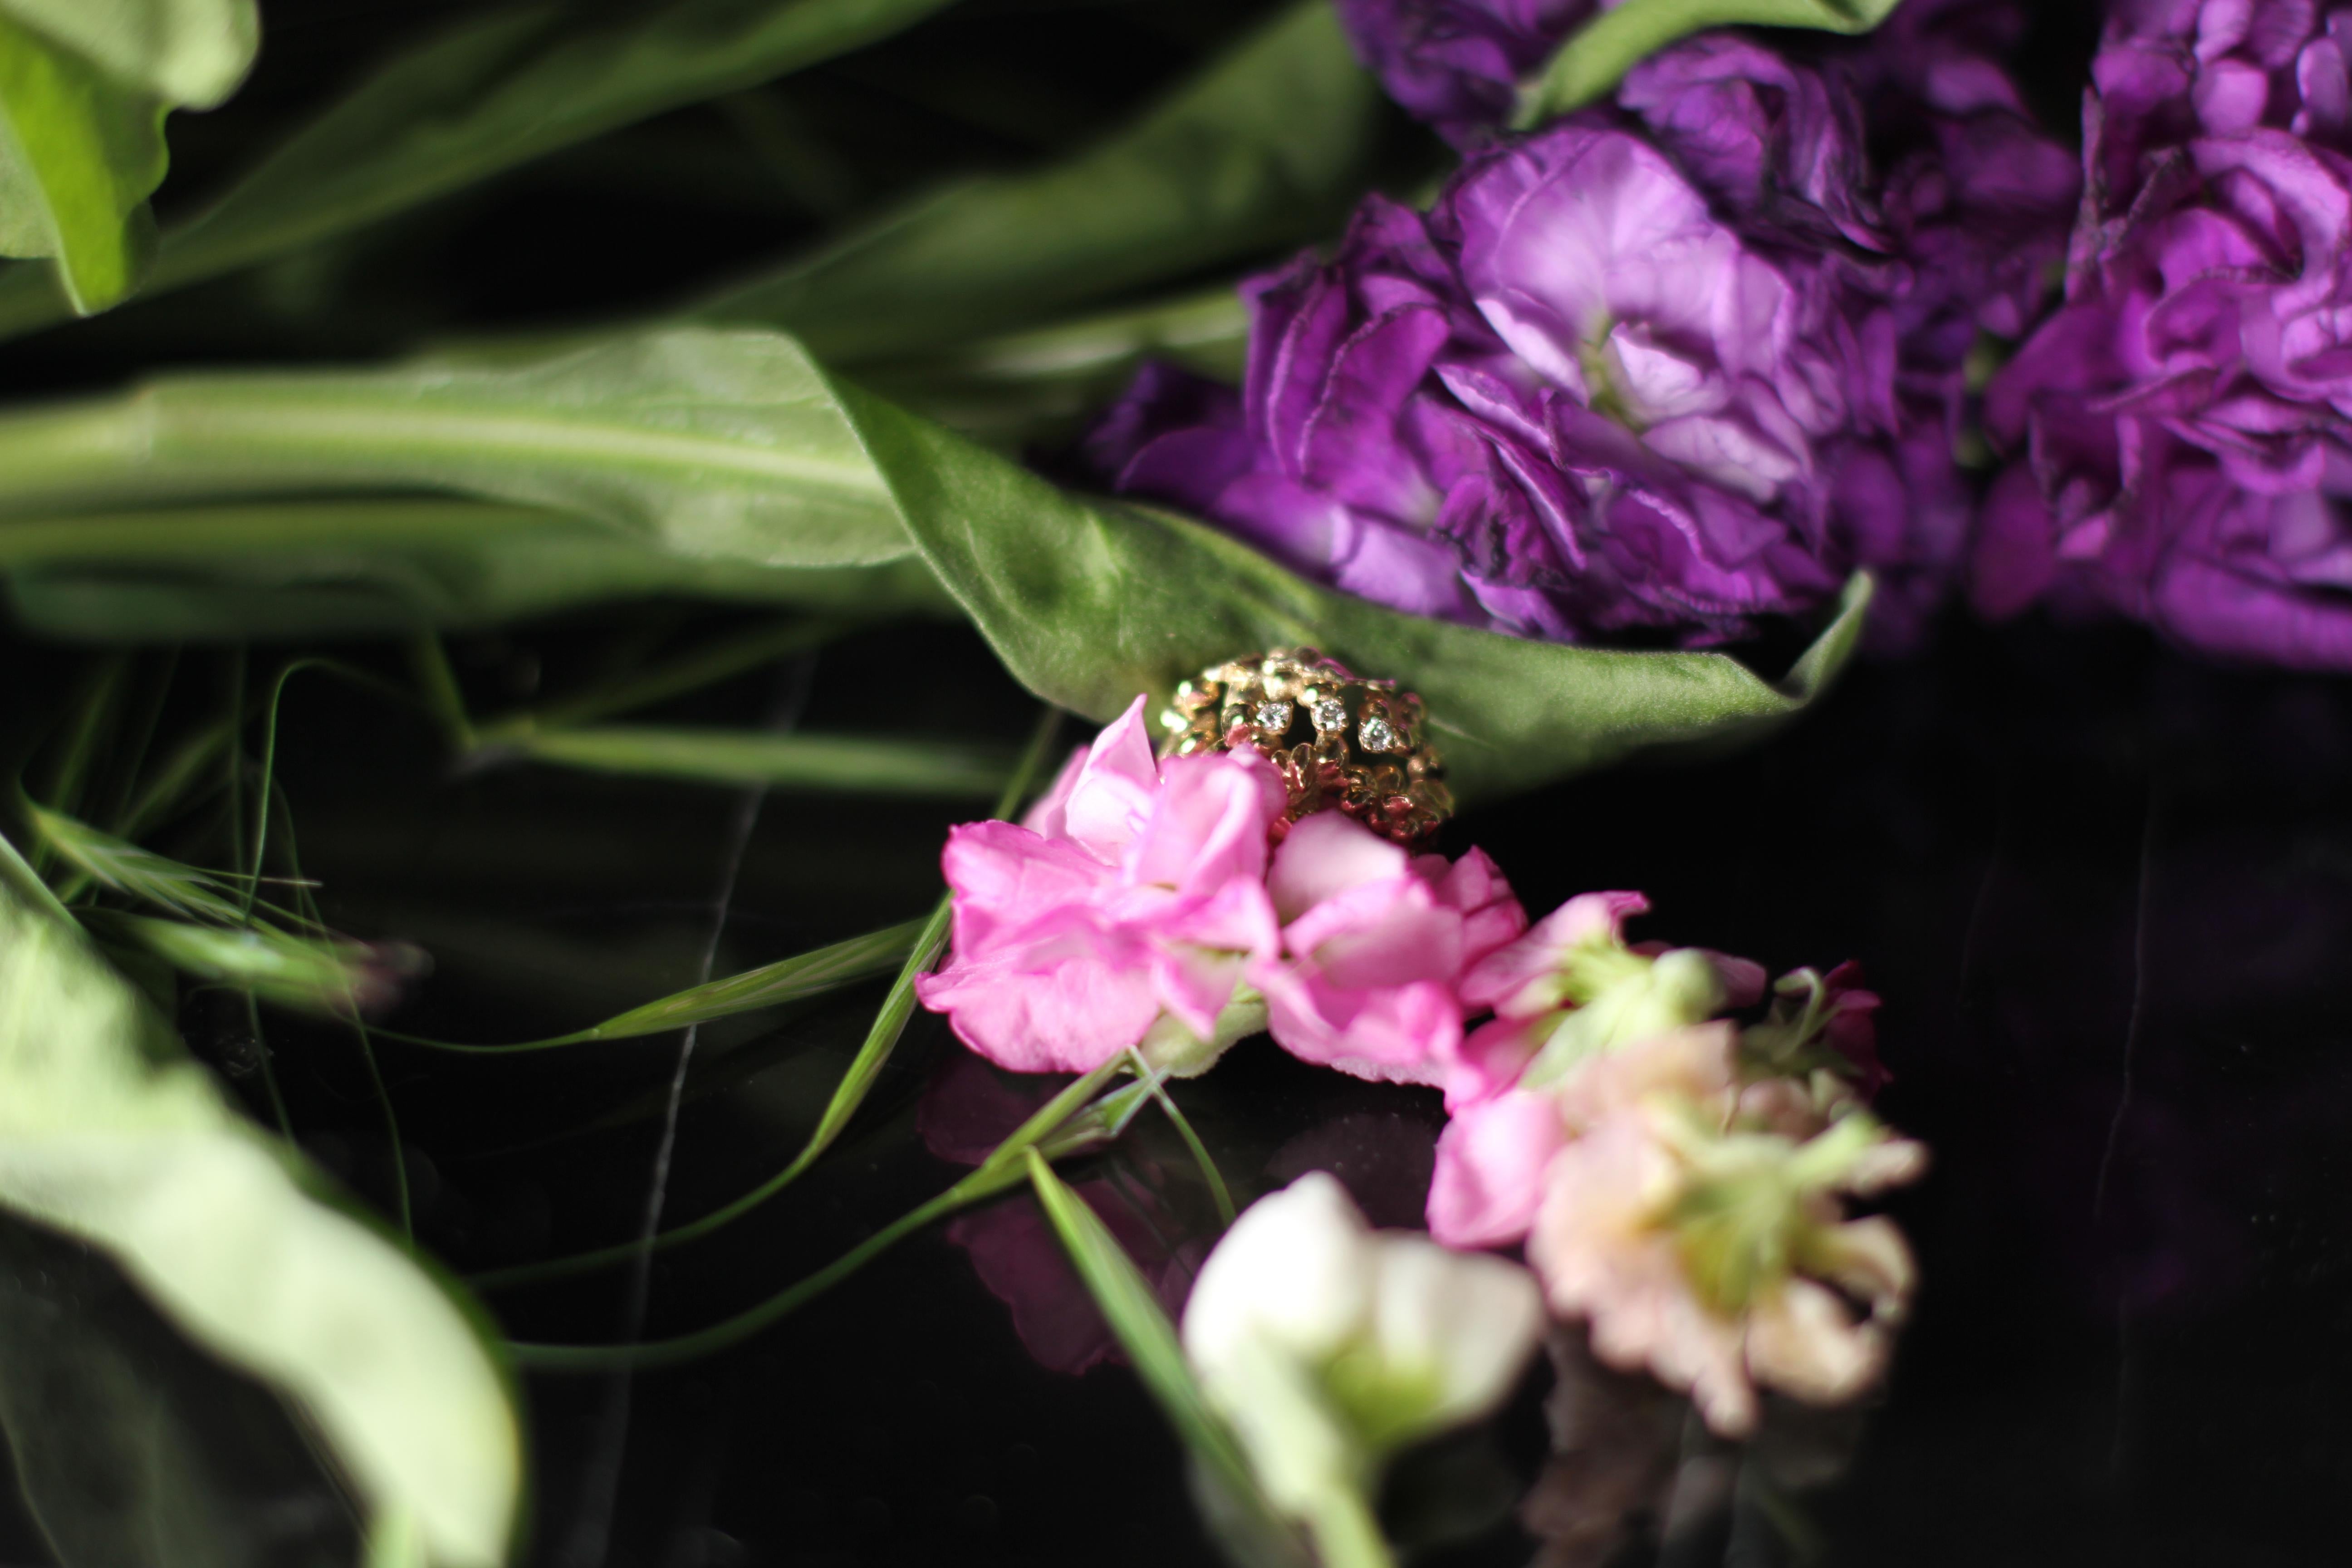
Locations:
(1346, 1534)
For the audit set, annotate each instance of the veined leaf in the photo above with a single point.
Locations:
(339, 568)
(78, 156)
(716, 446)
(188, 52)
(1087, 602)
(785, 761)
(109, 1133)
(498, 90)
(1596, 58)
(1090, 601)
(1266, 149)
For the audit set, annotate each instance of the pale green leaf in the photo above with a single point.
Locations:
(1266, 149)
(78, 156)
(327, 975)
(714, 446)
(133, 1446)
(344, 568)
(791, 760)
(497, 91)
(125, 868)
(1596, 58)
(109, 1133)
(188, 52)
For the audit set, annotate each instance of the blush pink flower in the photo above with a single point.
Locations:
(1128, 902)
(1711, 1249)
(1570, 990)
(1375, 942)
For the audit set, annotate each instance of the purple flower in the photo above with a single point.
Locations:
(1458, 64)
(1670, 368)
(2180, 422)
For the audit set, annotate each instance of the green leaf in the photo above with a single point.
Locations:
(1043, 384)
(497, 91)
(131, 1445)
(344, 568)
(1090, 601)
(187, 52)
(310, 974)
(110, 1133)
(713, 445)
(78, 156)
(770, 985)
(1267, 149)
(1589, 66)
(125, 868)
(795, 761)
(1087, 602)
(1132, 1308)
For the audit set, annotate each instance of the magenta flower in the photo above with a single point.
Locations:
(1120, 913)
(2180, 425)
(1458, 64)
(1674, 368)
(1375, 942)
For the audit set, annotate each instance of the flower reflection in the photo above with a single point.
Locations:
(1631, 1463)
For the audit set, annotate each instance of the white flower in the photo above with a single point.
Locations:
(1328, 1345)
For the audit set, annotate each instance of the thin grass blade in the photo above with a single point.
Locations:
(128, 869)
(796, 761)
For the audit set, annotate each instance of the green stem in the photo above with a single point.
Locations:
(889, 1023)
(704, 667)
(1003, 1169)
(441, 696)
(1346, 1534)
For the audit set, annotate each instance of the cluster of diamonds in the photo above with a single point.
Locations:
(1338, 740)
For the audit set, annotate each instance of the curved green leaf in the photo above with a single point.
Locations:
(361, 568)
(1596, 58)
(1090, 601)
(78, 156)
(1087, 602)
(188, 52)
(133, 1446)
(1268, 148)
(716, 446)
(109, 1133)
(795, 761)
(497, 91)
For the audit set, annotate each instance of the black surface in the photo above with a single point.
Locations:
(2106, 892)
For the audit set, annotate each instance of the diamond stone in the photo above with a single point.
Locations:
(1331, 715)
(1377, 736)
(1273, 717)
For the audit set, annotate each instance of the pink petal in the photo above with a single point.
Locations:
(1491, 1160)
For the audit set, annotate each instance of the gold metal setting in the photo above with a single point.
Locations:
(1339, 740)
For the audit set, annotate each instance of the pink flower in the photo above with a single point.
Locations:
(1566, 992)
(1374, 945)
(1134, 892)
(1711, 1249)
